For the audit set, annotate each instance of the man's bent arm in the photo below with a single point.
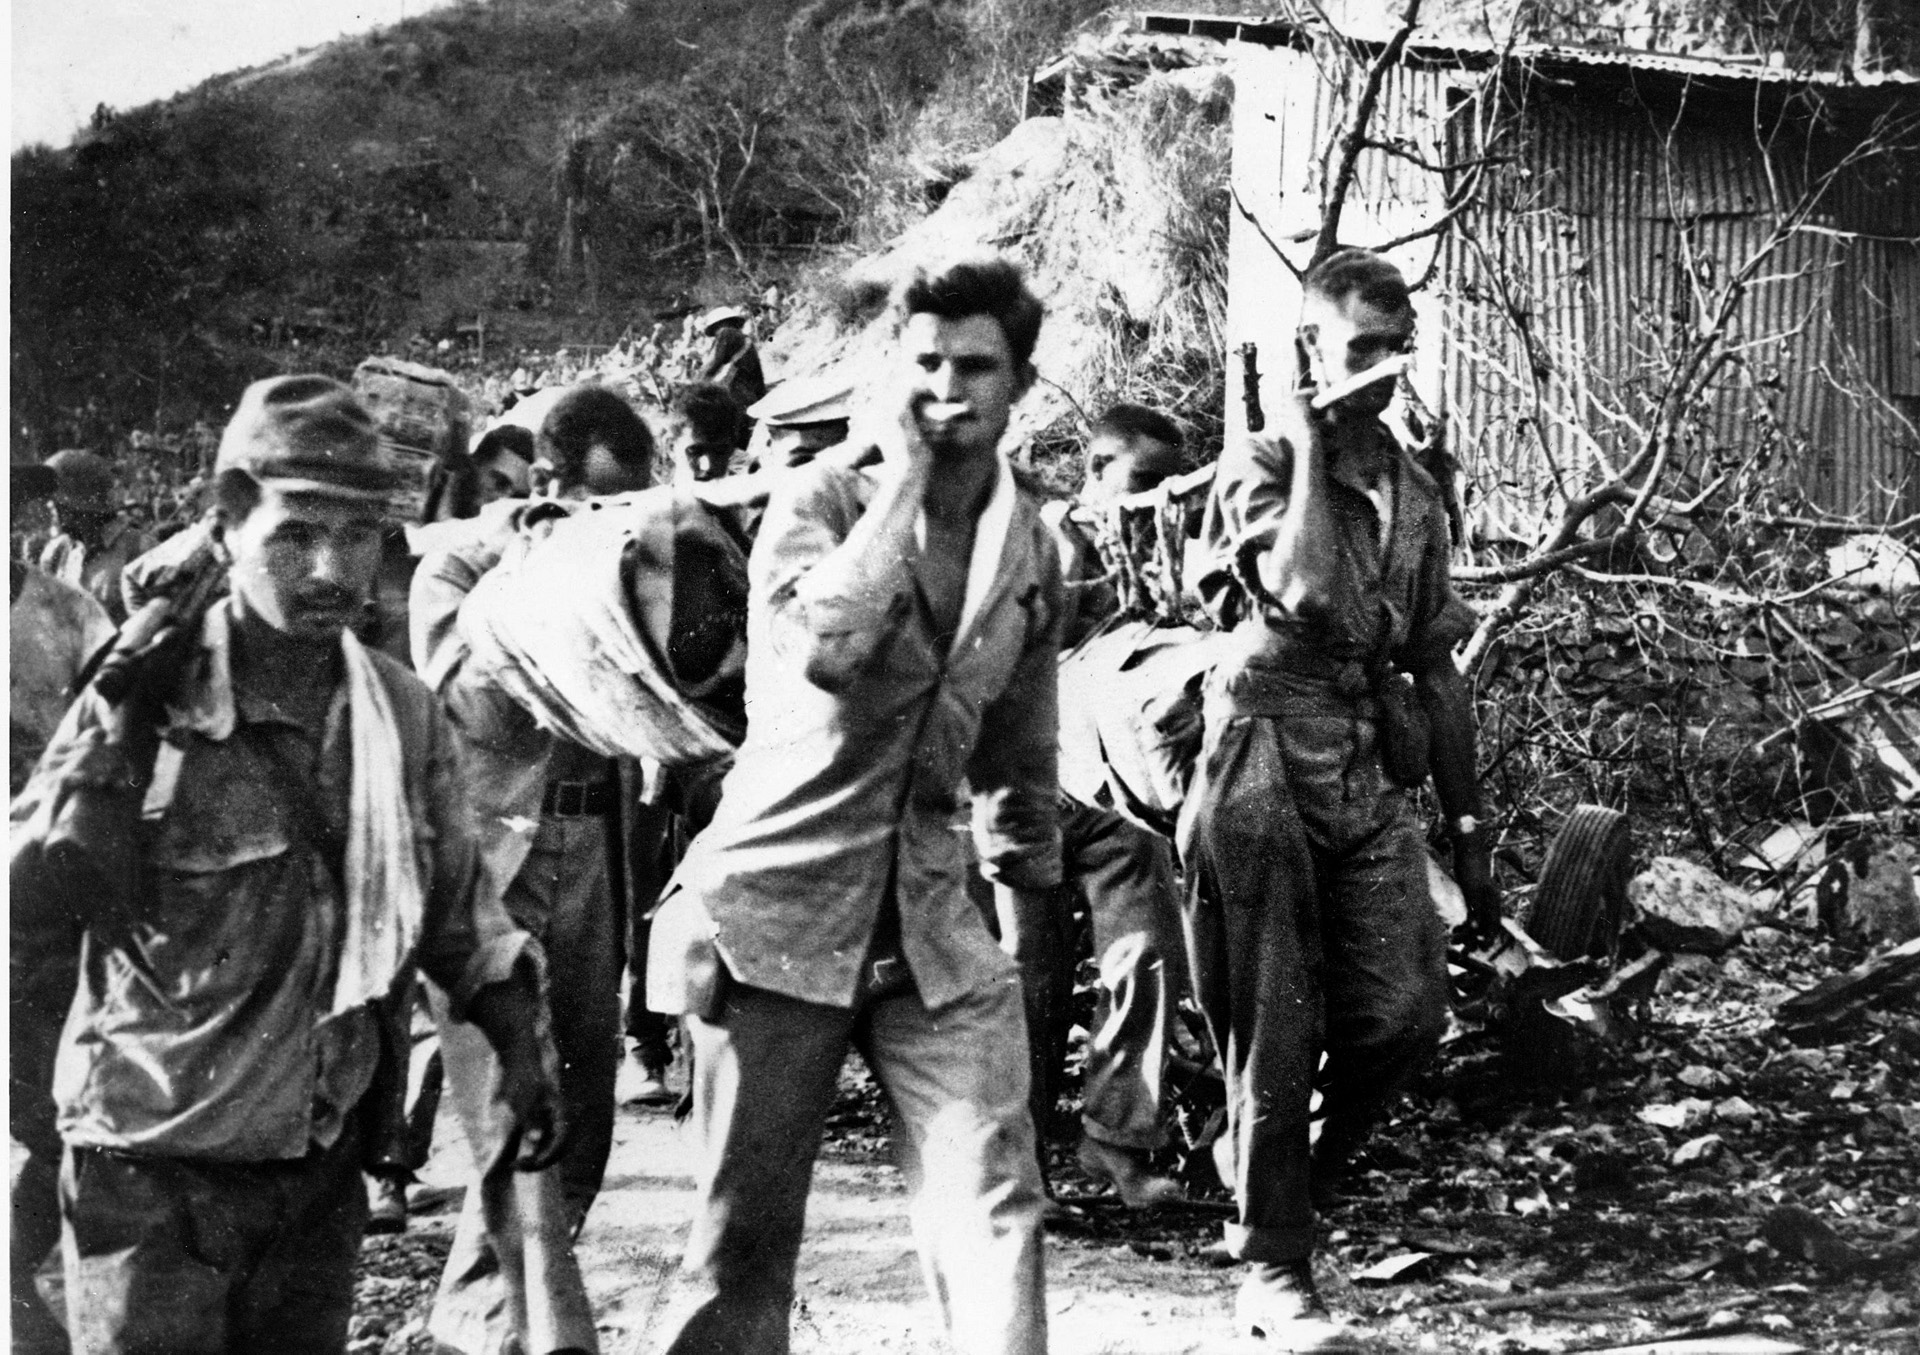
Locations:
(837, 588)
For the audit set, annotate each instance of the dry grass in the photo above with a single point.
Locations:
(1119, 215)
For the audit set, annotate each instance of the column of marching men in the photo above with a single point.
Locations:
(305, 849)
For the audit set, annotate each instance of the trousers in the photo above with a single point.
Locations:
(202, 1258)
(1310, 928)
(651, 857)
(1126, 875)
(40, 989)
(766, 1068)
(510, 1274)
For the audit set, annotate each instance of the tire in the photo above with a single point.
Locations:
(1581, 903)
(1579, 909)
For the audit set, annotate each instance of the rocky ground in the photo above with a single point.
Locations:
(1711, 1187)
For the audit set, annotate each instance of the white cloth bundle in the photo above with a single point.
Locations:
(553, 626)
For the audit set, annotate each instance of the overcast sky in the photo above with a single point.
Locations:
(70, 55)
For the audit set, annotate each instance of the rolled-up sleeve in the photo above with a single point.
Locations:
(1014, 770)
(1251, 487)
(832, 634)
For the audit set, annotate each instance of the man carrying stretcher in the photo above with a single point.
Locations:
(1310, 923)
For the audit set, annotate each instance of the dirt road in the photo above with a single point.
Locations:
(859, 1284)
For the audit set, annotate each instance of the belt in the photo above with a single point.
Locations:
(1283, 691)
(580, 799)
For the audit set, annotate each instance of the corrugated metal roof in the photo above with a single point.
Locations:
(1548, 58)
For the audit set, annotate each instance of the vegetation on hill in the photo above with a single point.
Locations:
(502, 174)
(511, 176)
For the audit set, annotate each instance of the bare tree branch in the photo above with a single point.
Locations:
(1355, 140)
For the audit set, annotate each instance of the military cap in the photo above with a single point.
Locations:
(84, 481)
(308, 434)
(719, 315)
(802, 401)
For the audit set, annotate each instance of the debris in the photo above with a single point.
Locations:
(1676, 1115)
(1797, 1232)
(1554, 1298)
(1735, 1110)
(1698, 1152)
(1405, 1266)
(1788, 848)
(1890, 981)
(1875, 561)
(1882, 901)
(1737, 1343)
(1686, 907)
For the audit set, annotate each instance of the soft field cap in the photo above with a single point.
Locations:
(308, 435)
(801, 401)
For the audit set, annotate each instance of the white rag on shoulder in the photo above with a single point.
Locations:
(386, 897)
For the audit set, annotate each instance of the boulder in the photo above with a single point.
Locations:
(1686, 907)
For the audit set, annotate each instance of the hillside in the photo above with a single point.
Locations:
(498, 176)
(504, 178)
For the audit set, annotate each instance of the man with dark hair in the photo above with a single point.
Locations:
(1310, 925)
(592, 437)
(706, 430)
(503, 459)
(302, 842)
(94, 541)
(1147, 439)
(1125, 873)
(903, 629)
(556, 824)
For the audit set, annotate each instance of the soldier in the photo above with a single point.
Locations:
(1311, 926)
(734, 360)
(903, 635)
(94, 541)
(557, 826)
(802, 417)
(1125, 872)
(706, 431)
(504, 460)
(298, 841)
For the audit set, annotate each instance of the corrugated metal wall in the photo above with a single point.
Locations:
(1560, 302)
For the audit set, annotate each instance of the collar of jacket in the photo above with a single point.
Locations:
(989, 542)
(205, 702)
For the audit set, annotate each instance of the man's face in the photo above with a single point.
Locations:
(1118, 466)
(303, 563)
(504, 476)
(961, 382)
(698, 458)
(1347, 337)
